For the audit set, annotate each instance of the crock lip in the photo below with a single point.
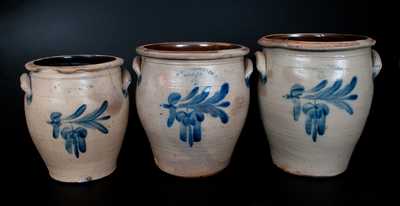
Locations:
(270, 41)
(116, 62)
(238, 51)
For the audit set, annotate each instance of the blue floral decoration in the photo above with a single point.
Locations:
(74, 137)
(315, 108)
(190, 111)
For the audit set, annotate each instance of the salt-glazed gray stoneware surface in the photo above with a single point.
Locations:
(315, 94)
(192, 99)
(76, 109)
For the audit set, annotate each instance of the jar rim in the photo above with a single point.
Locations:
(192, 50)
(316, 41)
(74, 63)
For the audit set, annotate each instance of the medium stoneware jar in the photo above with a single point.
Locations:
(315, 93)
(76, 109)
(192, 99)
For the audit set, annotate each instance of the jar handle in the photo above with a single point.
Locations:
(248, 71)
(136, 64)
(26, 86)
(376, 63)
(126, 81)
(261, 66)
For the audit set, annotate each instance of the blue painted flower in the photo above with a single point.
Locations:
(190, 111)
(74, 140)
(75, 137)
(317, 112)
(316, 118)
(55, 120)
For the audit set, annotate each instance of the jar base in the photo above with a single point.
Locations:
(296, 172)
(58, 176)
(172, 171)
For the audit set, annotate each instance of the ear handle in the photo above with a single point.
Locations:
(248, 71)
(126, 81)
(136, 65)
(376, 63)
(26, 86)
(261, 66)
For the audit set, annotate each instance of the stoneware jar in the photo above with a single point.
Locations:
(76, 109)
(192, 99)
(315, 94)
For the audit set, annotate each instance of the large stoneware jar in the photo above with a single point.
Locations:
(76, 109)
(315, 95)
(192, 99)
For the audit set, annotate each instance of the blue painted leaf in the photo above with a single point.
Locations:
(223, 116)
(168, 106)
(350, 97)
(104, 117)
(308, 125)
(319, 86)
(214, 112)
(347, 89)
(307, 107)
(200, 97)
(66, 132)
(81, 132)
(219, 95)
(75, 144)
(69, 145)
(314, 129)
(224, 104)
(171, 117)
(190, 137)
(180, 116)
(191, 94)
(77, 112)
(186, 121)
(296, 109)
(55, 116)
(96, 113)
(182, 133)
(174, 98)
(56, 131)
(323, 108)
(321, 125)
(326, 93)
(82, 145)
(94, 125)
(296, 90)
(200, 116)
(343, 105)
(197, 132)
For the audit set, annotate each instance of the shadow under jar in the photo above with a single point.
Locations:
(76, 108)
(315, 93)
(192, 99)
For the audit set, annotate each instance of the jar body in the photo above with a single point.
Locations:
(77, 121)
(192, 111)
(314, 106)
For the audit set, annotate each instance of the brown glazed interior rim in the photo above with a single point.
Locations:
(73, 63)
(191, 47)
(73, 60)
(192, 50)
(316, 41)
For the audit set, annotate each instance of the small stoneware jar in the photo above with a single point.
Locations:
(76, 108)
(315, 94)
(192, 99)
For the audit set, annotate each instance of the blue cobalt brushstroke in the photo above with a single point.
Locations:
(74, 137)
(190, 111)
(315, 107)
